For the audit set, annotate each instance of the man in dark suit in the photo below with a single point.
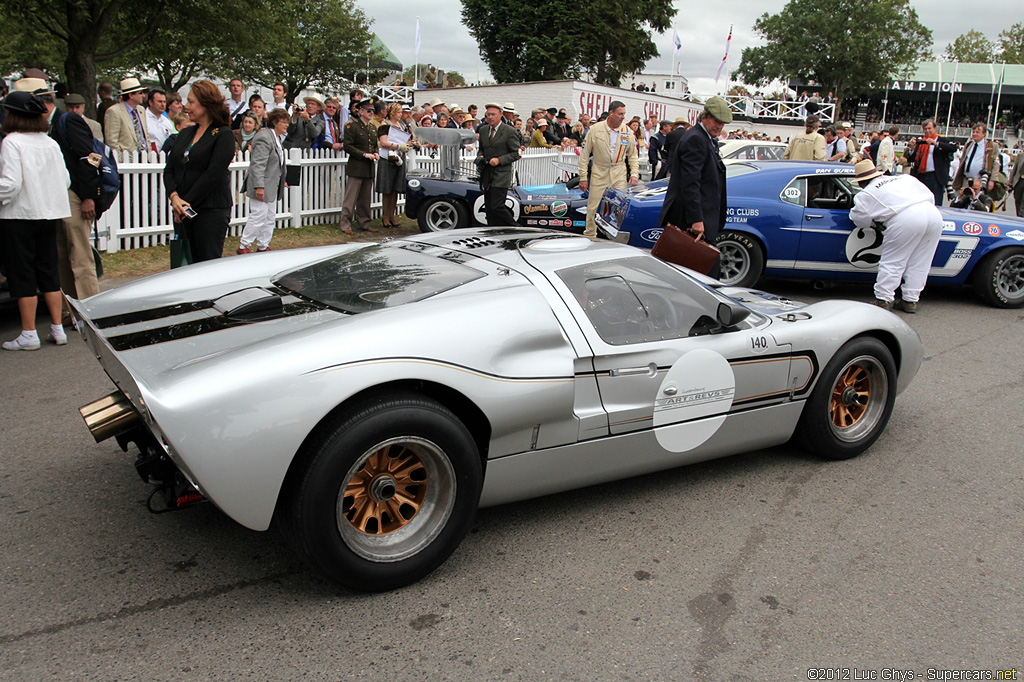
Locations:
(929, 157)
(656, 149)
(671, 140)
(695, 198)
(499, 149)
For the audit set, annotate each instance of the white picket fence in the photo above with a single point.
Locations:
(141, 215)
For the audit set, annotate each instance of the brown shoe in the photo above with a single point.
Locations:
(348, 232)
(909, 307)
(882, 304)
(367, 229)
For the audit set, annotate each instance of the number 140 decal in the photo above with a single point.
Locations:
(759, 343)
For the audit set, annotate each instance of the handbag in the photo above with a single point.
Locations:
(682, 248)
(181, 252)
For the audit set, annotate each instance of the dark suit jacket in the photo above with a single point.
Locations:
(671, 140)
(504, 147)
(944, 151)
(77, 145)
(655, 148)
(696, 188)
(203, 180)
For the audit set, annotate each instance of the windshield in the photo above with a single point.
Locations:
(378, 276)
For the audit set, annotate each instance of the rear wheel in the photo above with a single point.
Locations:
(999, 278)
(387, 495)
(742, 259)
(852, 401)
(442, 214)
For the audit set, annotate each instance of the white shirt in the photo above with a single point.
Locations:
(31, 166)
(236, 108)
(271, 105)
(888, 196)
(974, 160)
(886, 155)
(158, 128)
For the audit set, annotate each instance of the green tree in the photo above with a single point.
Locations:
(85, 33)
(971, 47)
(529, 41)
(454, 79)
(809, 40)
(1011, 44)
(320, 44)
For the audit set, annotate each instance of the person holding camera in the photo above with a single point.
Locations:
(306, 124)
(196, 176)
(973, 200)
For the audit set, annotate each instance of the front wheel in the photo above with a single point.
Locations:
(387, 495)
(999, 279)
(852, 401)
(742, 259)
(441, 215)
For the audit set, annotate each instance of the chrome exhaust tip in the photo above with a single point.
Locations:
(109, 416)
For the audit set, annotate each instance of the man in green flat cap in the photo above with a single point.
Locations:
(695, 198)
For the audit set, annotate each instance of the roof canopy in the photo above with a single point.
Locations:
(388, 59)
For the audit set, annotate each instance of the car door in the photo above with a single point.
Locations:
(826, 227)
(660, 358)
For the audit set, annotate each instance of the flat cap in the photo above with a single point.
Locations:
(719, 108)
(74, 99)
(492, 105)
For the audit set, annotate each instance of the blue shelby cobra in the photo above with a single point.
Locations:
(792, 219)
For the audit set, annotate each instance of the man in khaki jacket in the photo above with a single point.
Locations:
(122, 121)
(612, 146)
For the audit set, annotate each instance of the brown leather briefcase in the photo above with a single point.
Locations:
(682, 248)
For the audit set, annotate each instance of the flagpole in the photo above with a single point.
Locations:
(988, 119)
(952, 93)
(938, 96)
(995, 116)
(416, 69)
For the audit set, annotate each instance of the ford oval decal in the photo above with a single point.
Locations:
(651, 235)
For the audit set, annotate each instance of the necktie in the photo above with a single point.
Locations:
(138, 130)
(490, 138)
(970, 160)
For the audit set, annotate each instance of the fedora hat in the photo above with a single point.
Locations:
(33, 85)
(865, 170)
(24, 103)
(492, 105)
(509, 107)
(436, 102)
(456, 110)
(314, 98)
(130, 85)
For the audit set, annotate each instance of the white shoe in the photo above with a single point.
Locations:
(61, 340)
(21, 344)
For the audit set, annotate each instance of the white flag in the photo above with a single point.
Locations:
(677, 43)
(417, 36)
(727, 42)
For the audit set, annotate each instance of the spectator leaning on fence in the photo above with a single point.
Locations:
(196, 175)
(32, 203)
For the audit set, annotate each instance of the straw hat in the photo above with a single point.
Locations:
(36, 86)
(865, 170)
(130, 85)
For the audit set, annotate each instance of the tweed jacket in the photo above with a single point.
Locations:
(266, 167)
(993, 163)
(609, 171)
(119, 131)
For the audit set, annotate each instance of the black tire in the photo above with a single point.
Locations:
(442, 214)
(742, 259)
(852, 401)
(387, 495)
(999, 278)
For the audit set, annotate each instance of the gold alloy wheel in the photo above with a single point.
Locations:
(396, 499)
(858, 398)
(850, 397)
(387, 492)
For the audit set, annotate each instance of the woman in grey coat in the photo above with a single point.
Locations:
(264, 183)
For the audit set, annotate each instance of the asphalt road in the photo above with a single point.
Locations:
(758, 567)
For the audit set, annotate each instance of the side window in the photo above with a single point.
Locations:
(795, 192)
(770, 153)
(639, 300)
(825, 191)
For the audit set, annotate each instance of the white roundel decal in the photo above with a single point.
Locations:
(693, 400)
(481, 217)
(864, 247)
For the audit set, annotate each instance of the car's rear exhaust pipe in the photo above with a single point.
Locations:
(109, 416)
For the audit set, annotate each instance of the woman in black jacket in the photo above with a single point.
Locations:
(196, 175)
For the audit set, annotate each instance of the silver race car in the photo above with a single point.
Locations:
(370, 397)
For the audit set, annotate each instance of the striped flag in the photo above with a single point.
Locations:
(728, 41)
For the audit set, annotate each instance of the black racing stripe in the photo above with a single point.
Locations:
(151, 314)
(185, 330)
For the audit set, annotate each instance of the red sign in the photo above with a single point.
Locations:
(972, 228)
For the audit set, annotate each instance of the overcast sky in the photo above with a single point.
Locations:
(447, 44)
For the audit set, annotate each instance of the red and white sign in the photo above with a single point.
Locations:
(972, 228)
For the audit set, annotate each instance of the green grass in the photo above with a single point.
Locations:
(153, 259)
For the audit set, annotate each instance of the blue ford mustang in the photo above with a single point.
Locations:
(792, 219)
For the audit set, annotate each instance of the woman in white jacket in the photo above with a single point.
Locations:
(33, 200)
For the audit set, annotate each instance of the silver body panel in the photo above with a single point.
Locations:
(233, 404)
